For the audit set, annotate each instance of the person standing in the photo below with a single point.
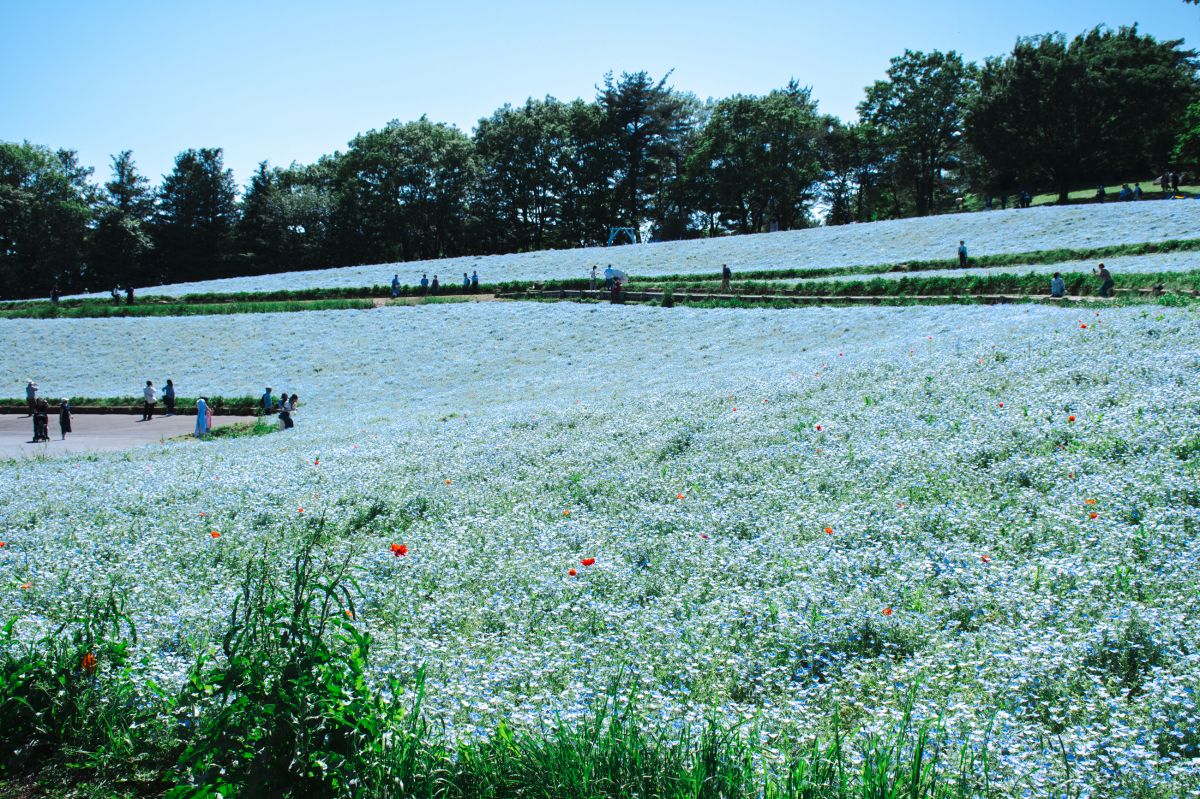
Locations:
(293, 404)
(466, 283)
(31, 389)
(1174, 182)
(1106, 280)
(169, 397)
(201, 417)
(962, 253)
(608, 277)
(64, 417)
(424, 284)
(1058, 288)
(267, 402)
(149, 396)
(593, 277)
(41, 421)
(435, 285)
(474, 282)
(285, 415)
(726, 276)
(129, 295)
(395, 286)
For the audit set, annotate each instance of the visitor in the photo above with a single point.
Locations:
(1126, 193)
(466, 283)
(169, 397)
(150, 396)
(424, 284)
(1137, 191)
(293, 405)
(1100, 194)
(31, 389)
(1174, 182)
(268, 401)
(64, 417)
(474, 282)
(726, 276)
(1058, 287)
(1003, 202)
(593, 277)
(435, 285)
(41, 421)
(201, 417)
(1106, 280)
(208, 415)
(116, 294)
(615, 295)
(395, 286)
(285, 416)
(962, 253)
(129, 295)
(608, 277)
(54, 296)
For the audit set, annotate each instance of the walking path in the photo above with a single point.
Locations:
(96, 433)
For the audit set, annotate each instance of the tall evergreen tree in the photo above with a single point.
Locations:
(197, 214)
(122, 242)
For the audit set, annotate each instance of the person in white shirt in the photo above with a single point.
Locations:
(151, 396)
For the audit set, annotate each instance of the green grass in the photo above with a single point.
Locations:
(103, 310)
(182, 404)
(285, 709)
(259, 427)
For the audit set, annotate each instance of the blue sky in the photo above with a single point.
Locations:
(286, 81)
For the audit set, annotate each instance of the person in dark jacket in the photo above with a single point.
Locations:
(169, 397)
(64, 417)
(41, 421)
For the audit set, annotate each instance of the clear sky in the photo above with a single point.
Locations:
(290, 81)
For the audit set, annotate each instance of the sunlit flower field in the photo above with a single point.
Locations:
(895, 241)
(758, 514)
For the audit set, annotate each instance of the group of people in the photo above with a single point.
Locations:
(116, 295)
(150, 399)
(285, 406)
(470, 284)
(39, 410)
(1058, 286)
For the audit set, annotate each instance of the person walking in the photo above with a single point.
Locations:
(169, 397)
(41, 421)
(1058, 288)
(962, 253)
(149, 397)
(726, 276)
(1106, 280)
(201, 417)
(293, 404)
(285, 414)
(395, 286)
(31, 390)
(64, 417)
(474, 282)
(267, 402)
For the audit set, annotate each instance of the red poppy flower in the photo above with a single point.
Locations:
(215, 534)
(572, 572)
(26, 586)
(399, 550)
(301, 510)
(317, 462)
(88, 663)
(1083, 327)
(1001, 404)
(202, 513)
(818, 428)
(887, 611)
(588, 561)
(735, 410)
(3, 544)
(1071, 418)
(679, 496)
(828, 531)
(1093, 515)
(704, 536)
(566, 513)
(986, 559)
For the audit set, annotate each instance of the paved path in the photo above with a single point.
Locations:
(95, 433)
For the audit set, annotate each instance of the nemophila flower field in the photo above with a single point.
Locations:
(995, 232)
(760, 515)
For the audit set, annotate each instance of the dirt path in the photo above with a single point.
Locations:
(96, 433)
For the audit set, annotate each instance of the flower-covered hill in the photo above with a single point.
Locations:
(787, 511)
(1025, 230)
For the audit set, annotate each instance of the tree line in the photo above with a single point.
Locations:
(1053, 114)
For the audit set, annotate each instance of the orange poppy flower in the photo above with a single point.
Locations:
(301, 510)
(399, 550)
(588, 561)
(986, 559)
(215, 534)
(887, 611)
(566, 513)
(88, 663)
(679, 496)
(1089, 502)
(828, 531)
(26, 586)
(1083, 327)
(447, 482)
(1093, 515)
(572, 572)
(3, 544)
(1071, 418)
